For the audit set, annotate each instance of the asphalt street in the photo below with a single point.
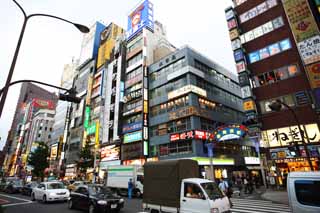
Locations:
(22, 204)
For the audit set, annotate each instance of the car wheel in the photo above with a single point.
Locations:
(91, 208)
(70, 204)
(32, 197)
(44, 199)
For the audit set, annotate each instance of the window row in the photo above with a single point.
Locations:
(133, 119)
(133, 88)
(261, 8)
(270, 50)
(262, 30)
(137, 43)
(170, 106)
(182, 147)
(292, 100)
(133, 105)
(276, 75)
(134, 60)
(134, 73)
(165, 71)
(165, 89)
(171, 127)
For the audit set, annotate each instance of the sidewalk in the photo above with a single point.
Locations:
(278, 196)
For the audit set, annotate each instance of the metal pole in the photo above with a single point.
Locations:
(301, 133)
(211, 168)
(13, 64)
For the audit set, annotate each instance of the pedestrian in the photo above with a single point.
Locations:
(130, 188)
(239, 184)
(224, 187)
(245, 182)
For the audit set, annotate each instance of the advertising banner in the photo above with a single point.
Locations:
(141, 17)
(91, 129)
(87, 117)
(310, 50)
(89, 90)
(131, 151)
(300, 18)
(109, 153)
(39, 103)
(54, 151)
(132, 127)
(248, 105)
(132, 137)
(186, 89)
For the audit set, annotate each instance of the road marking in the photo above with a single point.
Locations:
(16, 198)
(2, 201)
(258, 206)
(17, 204)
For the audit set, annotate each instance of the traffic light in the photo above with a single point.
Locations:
(70, 98)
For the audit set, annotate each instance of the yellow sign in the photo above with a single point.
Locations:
(313, 72)
(300, 18)
(97, 135)
(248, 106)
(145, 106)
(54, 151)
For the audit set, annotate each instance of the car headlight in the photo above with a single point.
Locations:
(52, 194)
(121, 200)
(102, 202)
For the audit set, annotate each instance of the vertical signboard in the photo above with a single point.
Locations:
(141, 17)
(97, 134)
(89, 90)
(304, 29)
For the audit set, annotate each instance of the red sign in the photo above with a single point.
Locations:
(202, 135)
(174, 137)
(39, 103)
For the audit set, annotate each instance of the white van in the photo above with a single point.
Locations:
(304, 192)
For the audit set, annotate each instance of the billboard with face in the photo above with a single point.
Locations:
(141, 17)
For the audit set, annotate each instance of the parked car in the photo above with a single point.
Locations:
(94, 199)
(74, 185)
(27, 188)
(303, 192)
(50, 191)
(14, 186)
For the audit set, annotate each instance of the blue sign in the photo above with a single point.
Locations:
(141, 17)
(238, 55)
(132, 127)
(253, 57)
(285, 44)
(229, 132)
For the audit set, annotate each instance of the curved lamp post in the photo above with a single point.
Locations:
(276, 106)
(80, 27)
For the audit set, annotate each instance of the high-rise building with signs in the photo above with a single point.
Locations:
(276, 50)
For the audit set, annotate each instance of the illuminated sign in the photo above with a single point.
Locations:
(234, 34)
(109, 153)
(54, 151)
(193, 134)
(186, 89)
(141, 17)
(241, 66)
(91, 129)
(132, 137)
(251, 160)
(310, 49)
(87, 117)
(132, 127)
(229, 132)
(249, 106)
(284, 136)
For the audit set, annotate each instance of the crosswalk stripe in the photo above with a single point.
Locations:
(258, 206)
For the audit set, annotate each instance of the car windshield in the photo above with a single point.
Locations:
(99, 190)
(55, 186)
(212, 190)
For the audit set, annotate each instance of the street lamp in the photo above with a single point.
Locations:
(276, 106)
(80, 27)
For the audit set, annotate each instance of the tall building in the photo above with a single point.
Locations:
(276, 49)
(144, 36)
(189, 97)
(59, 133)
(28, 92)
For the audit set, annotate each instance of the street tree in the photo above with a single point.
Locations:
(86, 158)
(39, 160)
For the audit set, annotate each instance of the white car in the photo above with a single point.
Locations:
(50, 191)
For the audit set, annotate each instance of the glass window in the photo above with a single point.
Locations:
(307, 192)
(193, 191)
(285, 44)
(282, 73)
(289, 100)
(293, 70)
(274, 49)
(270, 77)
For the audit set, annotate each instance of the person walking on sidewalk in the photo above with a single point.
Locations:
(130, 188)
(246, 185)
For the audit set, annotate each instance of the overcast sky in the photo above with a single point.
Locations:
(49, 44)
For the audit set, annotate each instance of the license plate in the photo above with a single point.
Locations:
(113, 206)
